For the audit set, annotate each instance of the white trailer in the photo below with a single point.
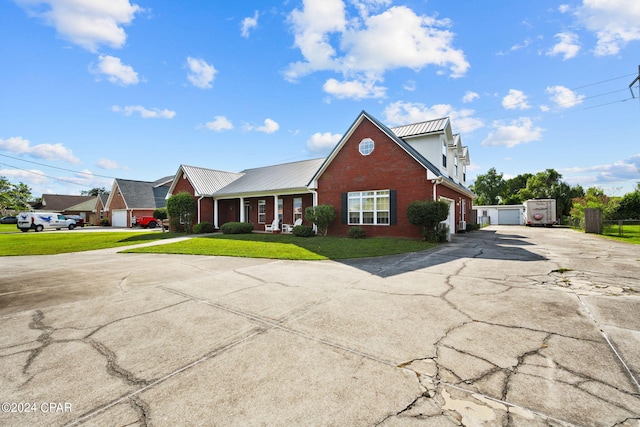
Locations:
(540, 212)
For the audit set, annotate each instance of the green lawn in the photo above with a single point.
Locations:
(284, 246)
(630, 233)
(54, 242)
(8, 228)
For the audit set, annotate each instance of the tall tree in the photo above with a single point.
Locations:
(488, 187)
(511, 194)
(13, 197)
(629, 205)
(94, 192)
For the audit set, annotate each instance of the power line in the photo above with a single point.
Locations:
(55, 167)
(46, 176)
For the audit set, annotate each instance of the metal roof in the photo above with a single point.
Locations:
(422, 128)
(286, 176)
(205, 182)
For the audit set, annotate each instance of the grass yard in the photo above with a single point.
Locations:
(54, 242)
(286, 246)
(628, 233)
(8, 228)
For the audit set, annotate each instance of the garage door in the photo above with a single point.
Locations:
(119, 218)
(509, 216)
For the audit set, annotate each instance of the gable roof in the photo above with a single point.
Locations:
(141, 194)
(422, 128)
(282, 177)
(60, 202)
(406, 147)
(86, 206)
(205, 182)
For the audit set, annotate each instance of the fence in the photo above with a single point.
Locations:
(621, 228)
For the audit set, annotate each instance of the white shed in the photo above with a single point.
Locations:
(500, 214)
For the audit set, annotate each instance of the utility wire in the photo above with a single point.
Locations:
(55, 167)
(46, 176)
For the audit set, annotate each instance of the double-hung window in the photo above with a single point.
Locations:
(297, 208)
(262, 211)
(369, 207)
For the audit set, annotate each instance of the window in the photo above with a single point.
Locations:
(455, 165)
(366, 146)
(444, 153)
(280, 210)
(369, 207)
(262, 211)
(464, 173)
(297, 208)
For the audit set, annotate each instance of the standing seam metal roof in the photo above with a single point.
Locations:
(206, 182)
(286, 176)
(422, 128)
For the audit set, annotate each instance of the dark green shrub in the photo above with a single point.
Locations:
(181, 208)
(427, 215)
(303, 231)
(321, 216)
(356, 233)
(204, 227)
(237, 228)
(105, 222)
(160, 213)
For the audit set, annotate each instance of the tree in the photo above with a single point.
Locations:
(629, 205)
(13, 197)
(94, 192)
(511, 193)
(181, 208)
(593, 199)
(488, 187)
(428, 214)
(321, 216)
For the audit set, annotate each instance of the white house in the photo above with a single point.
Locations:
(500, 214)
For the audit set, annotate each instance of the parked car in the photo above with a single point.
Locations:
(78, 219)
(9, 220)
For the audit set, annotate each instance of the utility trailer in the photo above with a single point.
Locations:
(540, 212)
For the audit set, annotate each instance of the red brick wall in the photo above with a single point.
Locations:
(388, 167)
(117, 203)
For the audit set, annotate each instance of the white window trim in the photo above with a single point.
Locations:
(366, 146)
(377, 195)
(262, 213)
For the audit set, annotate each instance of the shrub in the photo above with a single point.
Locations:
(356, 233)
(303, 231)
(181, 208)
(160, 213)
(237, 228)
(204, 227)
(428, 215)
(321, 216)
(104, 222)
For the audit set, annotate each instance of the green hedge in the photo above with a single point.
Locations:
(303, 231)
(204, 227)
(237, 228)
(356, 233)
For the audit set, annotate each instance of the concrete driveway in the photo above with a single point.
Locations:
(505, 326)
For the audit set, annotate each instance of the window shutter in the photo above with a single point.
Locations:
(345, 208)
(393, 207)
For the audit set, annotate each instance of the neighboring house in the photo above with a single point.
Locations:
(130, 198)
(61, 203)
(500, 214)
(370, 177)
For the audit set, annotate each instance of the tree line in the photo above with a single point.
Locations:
(492, 189)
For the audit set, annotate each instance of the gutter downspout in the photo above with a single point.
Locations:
(199, 200)
(315, 203)
(435, 187)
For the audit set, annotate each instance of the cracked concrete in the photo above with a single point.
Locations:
(507, 326)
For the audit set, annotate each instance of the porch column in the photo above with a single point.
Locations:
(241, 209)
(215, 213)
(275, 209)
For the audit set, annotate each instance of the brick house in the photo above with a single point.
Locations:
(370, 177)
(130, 198)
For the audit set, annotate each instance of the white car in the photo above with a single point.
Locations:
(38, 221)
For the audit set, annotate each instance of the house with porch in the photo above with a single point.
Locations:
(370, 177)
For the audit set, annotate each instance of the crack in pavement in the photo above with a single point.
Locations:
(142, 409)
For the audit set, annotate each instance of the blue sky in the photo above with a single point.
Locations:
(92, 90)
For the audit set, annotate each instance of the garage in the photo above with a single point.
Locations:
(509, 216)
(119, 218)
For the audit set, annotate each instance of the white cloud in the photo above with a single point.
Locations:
(621, 171)
(402, 113)
(615, 23)
(515, 132)
(568, 46)
(248, 24)
(108, 164)
(87, 23)
(219, 123)
(354, 89)
(470, 96)
(323, 141)
(564, 97)
(145, 113)
(516, 99)
(115, 70)
(270, 126)
(363, 48)
(19, 145)
(200, 74)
